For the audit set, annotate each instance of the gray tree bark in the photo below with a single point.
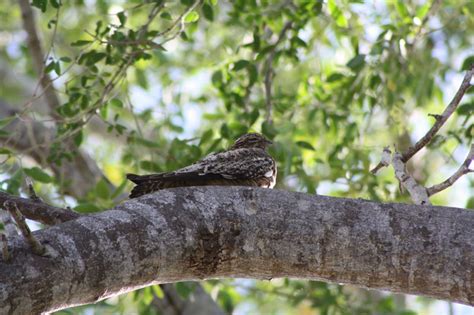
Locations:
(217, 232)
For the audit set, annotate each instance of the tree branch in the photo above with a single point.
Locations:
(37, 55)
(462, 170)
(269, 71)
(217, 232)
(441, 119)
(38, 210)
(35, 245)
(33, 138)
(418, 193)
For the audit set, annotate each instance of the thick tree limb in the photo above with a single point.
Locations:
(216, 232)
(79, 176)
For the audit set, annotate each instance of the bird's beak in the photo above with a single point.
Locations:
(268, 141)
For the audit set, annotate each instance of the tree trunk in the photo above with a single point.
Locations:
(242, 232)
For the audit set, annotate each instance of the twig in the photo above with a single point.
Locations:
(180, 21)
(37, 55)
(434, 6)
(384, 161)
(8, 225)
(462, 170)
(5, 253)
(39, 211)
(418, 193)
(269, 72)
(35, 245)
(31, 191)
(466, 83)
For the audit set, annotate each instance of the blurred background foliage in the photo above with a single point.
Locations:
(151, 86)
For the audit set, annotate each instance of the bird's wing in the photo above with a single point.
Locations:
(234, 164)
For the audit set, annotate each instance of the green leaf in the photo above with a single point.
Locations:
(253, 74)
(116, 103)
(402, 10)
(466, 109)
(65, 59)
(185, 289)
(208, 12)
(423, 10)
(145, 142)
(335, 77)
(158, 292)
(150, 166)
(5, 151)
(49, 67)
(78, 137)
(94, 57)
(165, 15)
(87, 207)
(102, 189)
(191, 17)
(40, 4)
(5, 121)
(55, 3)
(37, 174)
(305, 145)
(467, 63)
(122, 18)
(214, 2)
(4, 134)
(241, 64)
(337, 14)
(357, 62)
(206, 136)
(104, 111)
(141, 78)
(57, 68)
(81, 43)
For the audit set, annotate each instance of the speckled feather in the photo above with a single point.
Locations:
(246, 163)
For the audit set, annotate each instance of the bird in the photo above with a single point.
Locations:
(245, 163)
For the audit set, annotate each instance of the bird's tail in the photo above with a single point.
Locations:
(144, 184)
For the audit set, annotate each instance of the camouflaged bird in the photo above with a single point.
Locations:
(245, 163)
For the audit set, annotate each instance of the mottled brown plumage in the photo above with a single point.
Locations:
(245, 163)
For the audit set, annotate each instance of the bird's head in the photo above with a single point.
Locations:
(251, 140)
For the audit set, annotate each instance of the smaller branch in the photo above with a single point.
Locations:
(37, 54)
(35, 245)
(463, 170)
(440, 120)
(384, 161)
(39, 211)
(9, 227)
(418, 193)
(4, 243)
(180, 19)
(269, 73)
(31, 191)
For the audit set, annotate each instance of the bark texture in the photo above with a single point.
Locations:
(215, 232)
